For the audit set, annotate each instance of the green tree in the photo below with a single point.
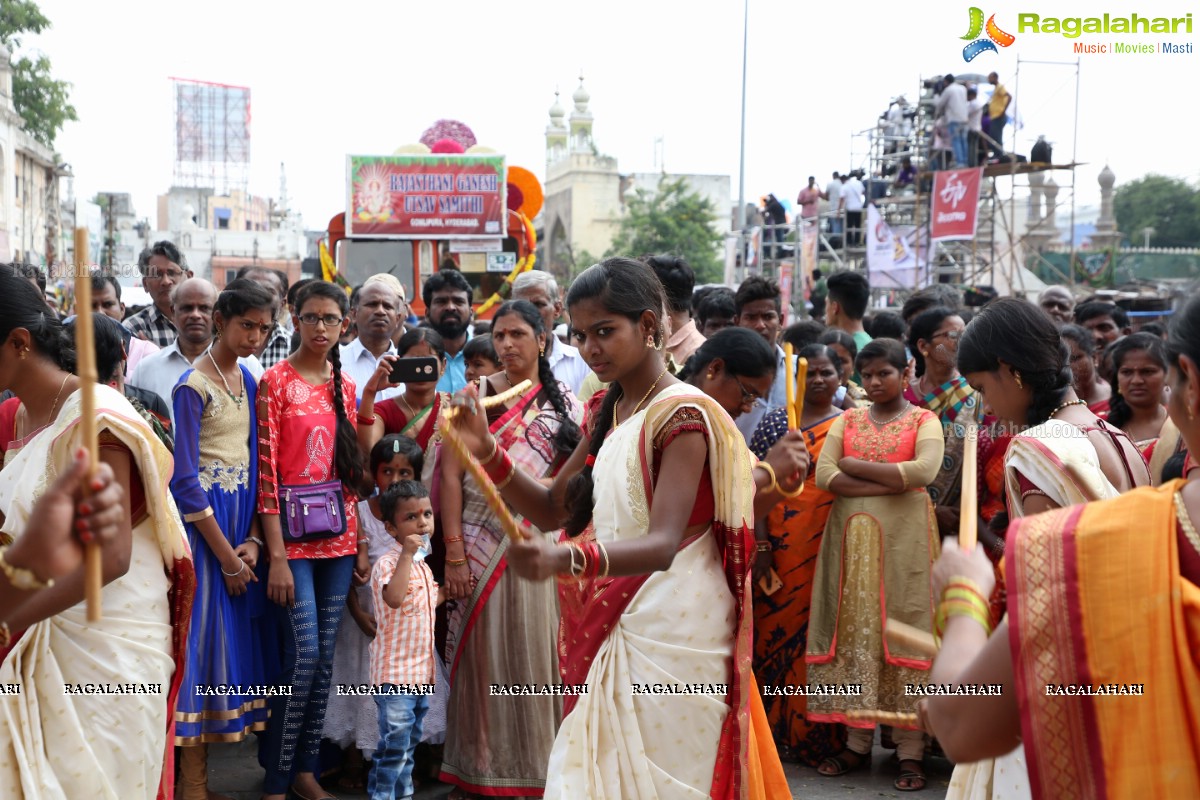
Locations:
(673, 220)
(1170, 206)
(42, 101)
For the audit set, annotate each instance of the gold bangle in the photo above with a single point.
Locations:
(456, 562)
(491, 455)
(22, 578)
(794, 493)
(604, 552)
(770, 473)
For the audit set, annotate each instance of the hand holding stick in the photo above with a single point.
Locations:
(85, 349)
(905, 636)
(791, 386)
(490, 493)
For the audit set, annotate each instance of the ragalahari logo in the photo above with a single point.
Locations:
(995, 36)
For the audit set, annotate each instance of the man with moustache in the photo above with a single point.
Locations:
(192, 305)
(163, 268)
(447, 297)
(1058, 303)
(540, 289)
(106, 300)
(375, 308)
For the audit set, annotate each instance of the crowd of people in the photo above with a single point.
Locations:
(294, 549)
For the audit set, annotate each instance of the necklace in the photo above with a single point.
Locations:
(1067, 404)
(53, 406)
(411, 414)
(645, 397)
(228, 391)
(903, 410)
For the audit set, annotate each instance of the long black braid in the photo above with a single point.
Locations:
(580, 487)
(624, 288)
(347, 457)
(567, 437)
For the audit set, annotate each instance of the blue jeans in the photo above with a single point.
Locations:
(293, 739)
(958, 141)
(400, 719)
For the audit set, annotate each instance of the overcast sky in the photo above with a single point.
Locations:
(325, 84)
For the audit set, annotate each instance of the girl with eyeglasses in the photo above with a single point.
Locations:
(310, 470)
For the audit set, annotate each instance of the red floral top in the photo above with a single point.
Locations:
(296, 439)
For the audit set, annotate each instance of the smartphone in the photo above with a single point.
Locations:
(422, 369)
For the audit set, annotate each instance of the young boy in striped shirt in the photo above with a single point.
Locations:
(402, 652)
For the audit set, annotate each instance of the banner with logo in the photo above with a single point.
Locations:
(897, 257)
(955, 204)
(438, 196)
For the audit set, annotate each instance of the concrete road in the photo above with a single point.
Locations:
(234, 771)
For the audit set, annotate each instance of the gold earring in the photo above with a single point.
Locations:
(710, 375)
(649, 340)
(541, 352)
(1017, 375)
(24, 351)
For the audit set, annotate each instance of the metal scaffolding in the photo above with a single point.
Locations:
(212, 135)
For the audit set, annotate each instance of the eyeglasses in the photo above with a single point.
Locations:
(953, 336)
(330, 320)
(748, 395)
(167, 274)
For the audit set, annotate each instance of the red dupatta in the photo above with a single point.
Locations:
(589, 610)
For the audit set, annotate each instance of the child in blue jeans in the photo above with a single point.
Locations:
(402, 652)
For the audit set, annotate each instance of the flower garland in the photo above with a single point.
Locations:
(524, 265)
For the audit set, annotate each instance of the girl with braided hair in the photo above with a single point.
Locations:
(306, 439)
(497, 744)
(656, 573)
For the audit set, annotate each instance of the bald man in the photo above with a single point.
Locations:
(192, 304)
(1058, 303)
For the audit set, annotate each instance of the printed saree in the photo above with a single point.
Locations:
(687, 626)
(55, 744)
(504, 632)
(1096, 597)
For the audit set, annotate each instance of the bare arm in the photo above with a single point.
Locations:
(115, 556)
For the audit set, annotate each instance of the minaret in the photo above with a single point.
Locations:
(1050, 221)
(581, 121)
(1106, 234)
(556, 133)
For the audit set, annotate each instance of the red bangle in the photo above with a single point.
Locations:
(499, 466)
(367, 420)
(591, 553)
(590, 461)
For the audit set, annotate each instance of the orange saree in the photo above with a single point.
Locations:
(1097, 598)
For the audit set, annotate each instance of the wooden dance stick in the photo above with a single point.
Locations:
(900, 635)
(85, 354)
(968, 517)
(882, 717)
(491, 494)
(801, 388)
(791, 386)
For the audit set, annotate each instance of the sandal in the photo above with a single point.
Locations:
(915, 777)
(842, 763)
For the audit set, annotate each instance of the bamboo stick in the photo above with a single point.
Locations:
(85, 354)
(968, 519)
(906, 636)
(490, 493)
(791, 386)
(801, 389)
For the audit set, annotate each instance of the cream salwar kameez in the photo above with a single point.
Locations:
(56, 745)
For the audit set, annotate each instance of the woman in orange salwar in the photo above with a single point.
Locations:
(879, 544)
(795, 528)
(1103, 595)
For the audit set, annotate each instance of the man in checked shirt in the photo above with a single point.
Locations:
(163, 268)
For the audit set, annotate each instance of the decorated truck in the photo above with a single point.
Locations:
(445, 202)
